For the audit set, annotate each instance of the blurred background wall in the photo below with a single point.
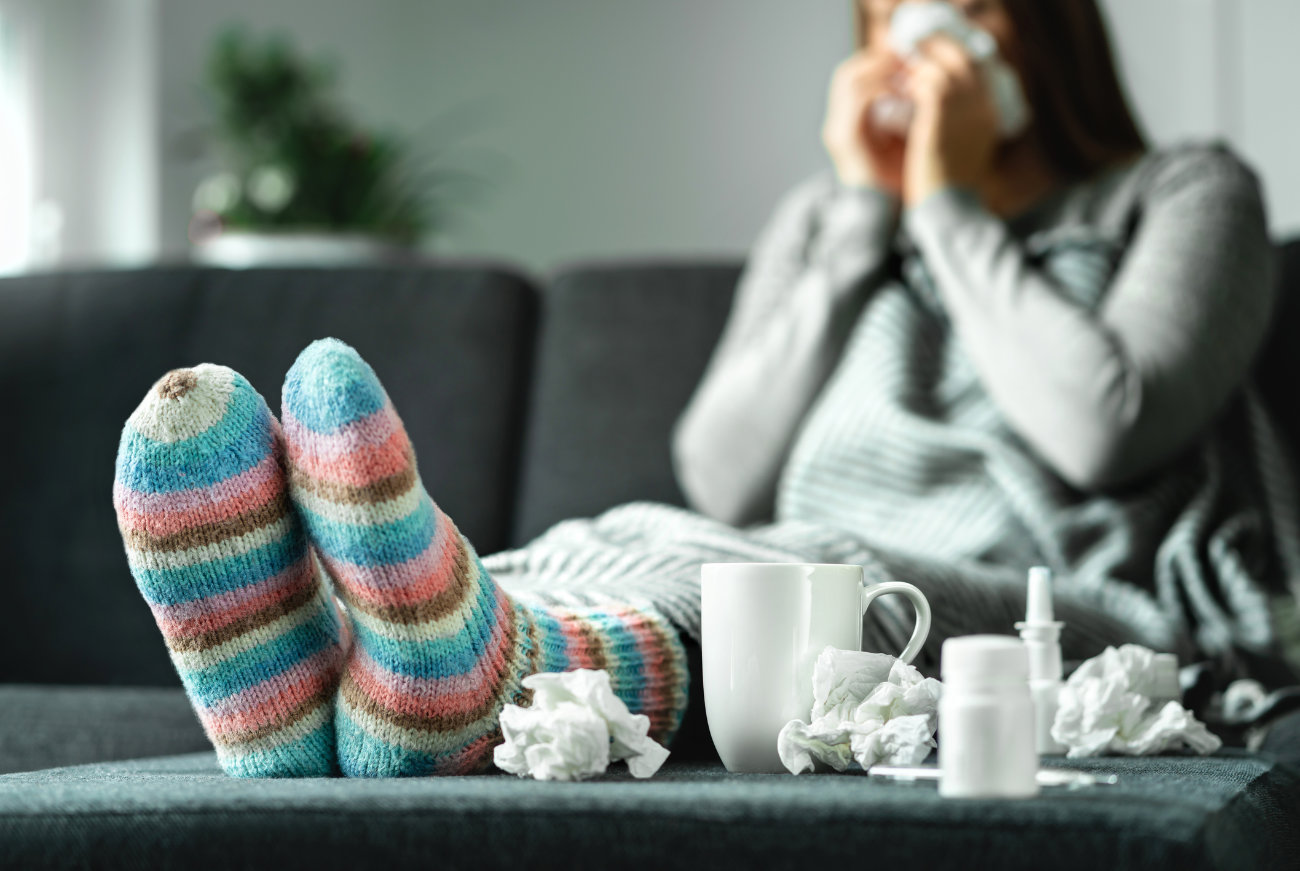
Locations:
(606, 129)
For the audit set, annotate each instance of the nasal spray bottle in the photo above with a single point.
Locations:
(1042, 636)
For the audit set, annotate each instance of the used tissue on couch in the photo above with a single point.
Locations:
(574, 729)
(1118, 702)
(867, 708)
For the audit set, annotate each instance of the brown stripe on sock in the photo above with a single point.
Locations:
(485, 762)
(357, 698)
(434, 608)
(594, 644)
(211, 533)
(383, 490)
(300, 711)
(524, 695)
(305, 593)
(670, 670)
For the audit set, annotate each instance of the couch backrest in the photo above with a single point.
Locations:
(621, 349)
(452, 344)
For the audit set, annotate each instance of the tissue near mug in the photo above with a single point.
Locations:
(574, 728)
(911, 24)
(868, 708)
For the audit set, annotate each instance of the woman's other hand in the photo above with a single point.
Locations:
(861, 154)
(954, 128)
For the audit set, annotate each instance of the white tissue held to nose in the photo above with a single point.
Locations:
(574, 728)
(911, 24)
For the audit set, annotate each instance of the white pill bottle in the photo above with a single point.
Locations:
(986, 719)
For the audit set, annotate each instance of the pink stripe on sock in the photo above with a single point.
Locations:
(650, 648)
(207, 615)
(371, 430)
(416, 580)
(287, 696)
(472, 757)
(166, 513)
(324, 661)
(196, 608)
(575, 642)
(364, 465)
(224, 506)
(444, 696)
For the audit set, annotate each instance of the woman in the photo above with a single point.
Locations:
(950, 358)
(1035, 350)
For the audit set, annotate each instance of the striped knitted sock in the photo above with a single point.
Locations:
(221, 558)
(441, 648)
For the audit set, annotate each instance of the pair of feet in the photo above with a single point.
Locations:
(240, 533)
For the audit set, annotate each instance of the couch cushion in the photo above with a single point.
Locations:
(78, 351)
(50, 726)
(1229, 811)
(620, 352)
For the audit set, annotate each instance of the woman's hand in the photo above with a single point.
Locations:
(861, 154)
(954, 128)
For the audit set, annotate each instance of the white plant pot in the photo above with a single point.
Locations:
(242, 250)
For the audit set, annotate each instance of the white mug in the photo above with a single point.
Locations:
(763, 625)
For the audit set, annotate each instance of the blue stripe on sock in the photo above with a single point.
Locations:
(550, 638)
(201, 580)
(330, 386)
(626, 671)
(438, 657)
(236, 443)
(380, 544)
(257, 664)
(364, 755)
(312, 755)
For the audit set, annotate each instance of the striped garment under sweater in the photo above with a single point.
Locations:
(221, 558)
(439, 648)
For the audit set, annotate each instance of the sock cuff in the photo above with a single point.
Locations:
(635, 644)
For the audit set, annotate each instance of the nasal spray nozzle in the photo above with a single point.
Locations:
(1041, 633)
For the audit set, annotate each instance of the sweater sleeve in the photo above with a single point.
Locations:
(1106, 396)
(806, 279)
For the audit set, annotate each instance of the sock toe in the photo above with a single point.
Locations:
(330, 386)
(195, 427)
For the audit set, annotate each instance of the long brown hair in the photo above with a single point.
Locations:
(1081, 113)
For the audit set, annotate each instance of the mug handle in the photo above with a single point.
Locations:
(919, 602)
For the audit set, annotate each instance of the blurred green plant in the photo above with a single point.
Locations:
(293, 157)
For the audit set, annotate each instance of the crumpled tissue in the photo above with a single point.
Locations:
(1109, 705)
(867, 707)
(574, 728)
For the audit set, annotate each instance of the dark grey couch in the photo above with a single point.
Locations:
(529, 402)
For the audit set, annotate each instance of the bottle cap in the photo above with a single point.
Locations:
(985, 659)
(1038, 607)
